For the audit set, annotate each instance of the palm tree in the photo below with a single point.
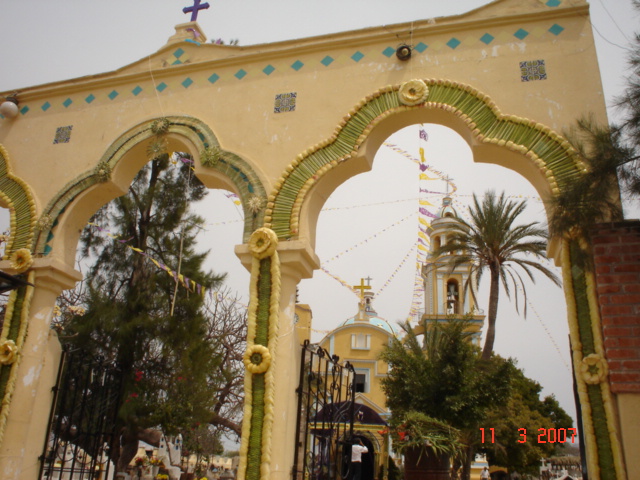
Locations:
(492, 241)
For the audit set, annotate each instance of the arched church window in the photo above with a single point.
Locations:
(453, 298)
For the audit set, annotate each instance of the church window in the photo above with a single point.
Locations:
(362, 380)
(360, 341)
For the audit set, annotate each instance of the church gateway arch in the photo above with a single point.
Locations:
(507, 77)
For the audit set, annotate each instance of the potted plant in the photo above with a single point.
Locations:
(428, 445)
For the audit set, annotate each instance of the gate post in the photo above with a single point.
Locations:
(24, 417)
(297, 261)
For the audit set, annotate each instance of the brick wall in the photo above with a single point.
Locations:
(617, 263)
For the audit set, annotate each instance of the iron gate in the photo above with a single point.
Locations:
(324, 426)
(82, 422)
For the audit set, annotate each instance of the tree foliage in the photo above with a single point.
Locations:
(492, 241)
(180, 356)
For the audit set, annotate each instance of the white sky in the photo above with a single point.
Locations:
(45, 41)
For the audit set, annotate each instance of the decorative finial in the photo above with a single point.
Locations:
(197, 6)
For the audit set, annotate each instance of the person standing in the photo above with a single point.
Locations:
(357, 449)
(484, 475)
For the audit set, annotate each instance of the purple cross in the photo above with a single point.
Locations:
(195, 9)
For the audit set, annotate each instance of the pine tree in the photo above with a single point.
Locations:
(138, 316)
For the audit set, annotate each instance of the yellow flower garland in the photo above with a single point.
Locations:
(21, 260)
(593, 369)
(254, 353)
(413, 92)
(263, 243)
(8, 352)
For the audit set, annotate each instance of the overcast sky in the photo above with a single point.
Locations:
(370, 224)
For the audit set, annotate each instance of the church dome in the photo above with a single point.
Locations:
(375, 321)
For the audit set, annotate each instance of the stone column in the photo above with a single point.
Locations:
(297, 261)
(31, 394)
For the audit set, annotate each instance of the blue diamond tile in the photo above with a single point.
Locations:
(453, 43)
(521, 34)
(556, 29)
(214, 78)
(268, 70)
(326, 61)
(113, 94)
(177, 62)
(297, 65)
(553, 3)
(24, 110)
(45, 106)
(240, 74)
(186, 83)
(90, 98)
(389, 51)
(67, 102)
(356, 57)
(178, 53)
(161, 87)
(136, 91)
(487, 38)
(421, 47)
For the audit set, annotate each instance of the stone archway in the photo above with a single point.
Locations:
(542, 156)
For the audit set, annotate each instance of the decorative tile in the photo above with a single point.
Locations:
(487, 38)
(388, 52)
(269, 69)
(297, 65)
(45, 106)
(186, 83)
(178, 53)
(113, 94)
(63, 134)
(90, 98)
(556, 29)
(240, 74)
(24, 109)
(421, 47)
(533, 70)
(214, 78)
(453, 43)
(67, 102)
(285, 102)
(521, 34)
(177, 62)
(136, 91)
(553, 3)
(326, 61)
(356, 57)
(161, 87)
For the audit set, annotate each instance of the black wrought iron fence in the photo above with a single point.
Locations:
(325, 417)
(82, 422)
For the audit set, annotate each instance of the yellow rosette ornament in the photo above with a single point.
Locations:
(21, 260)
(263, 243)
(257, 359)
(8, 352)
(413, 92)
(594, 369)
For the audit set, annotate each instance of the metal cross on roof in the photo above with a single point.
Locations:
(362, 287)
(197, 6)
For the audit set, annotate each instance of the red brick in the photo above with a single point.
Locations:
(598, 259)
(609, 310)
(599, 250)
(623, 353)
(620, 320)
(617, 364)
(629, 342)
(625, 387)
(630, 364)
(612, 342)
(610, 331)
(626, 267)
(603, 269)
(633, 258)
(613, 288)
(625, 377)
(631, 288)
(622, 299)
(622, 249)
(617, 278)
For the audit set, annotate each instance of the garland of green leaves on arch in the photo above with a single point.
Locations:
(551, 153)
(17, 196)
(250, 189)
